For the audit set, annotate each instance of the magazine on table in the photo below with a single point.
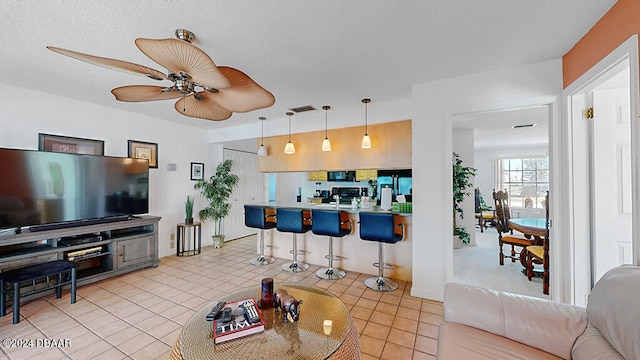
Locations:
(236, 320)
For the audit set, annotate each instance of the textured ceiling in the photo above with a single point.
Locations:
(304, 51)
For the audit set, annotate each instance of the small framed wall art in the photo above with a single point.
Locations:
(144, 150)
(197, 171)
(66, 144)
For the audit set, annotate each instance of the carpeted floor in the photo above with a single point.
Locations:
(479, 265)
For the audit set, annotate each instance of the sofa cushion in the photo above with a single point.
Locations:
(547, 325)
(592, 345)
(614, 309)
(457, 341)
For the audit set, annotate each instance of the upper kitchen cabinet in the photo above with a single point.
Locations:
(367, 174)
(317, 176)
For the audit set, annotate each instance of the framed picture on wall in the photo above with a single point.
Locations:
(144, 150)
(197, 171)
(67, 144)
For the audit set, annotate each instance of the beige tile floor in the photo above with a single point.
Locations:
(139, 315)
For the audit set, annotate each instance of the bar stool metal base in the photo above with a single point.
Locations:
(295, 267)
(330, 274)
(262, 260)
(381, 284)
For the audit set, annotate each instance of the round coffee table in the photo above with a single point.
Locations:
(304, 339)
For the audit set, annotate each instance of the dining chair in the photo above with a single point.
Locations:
(502, 216)
(540, 253)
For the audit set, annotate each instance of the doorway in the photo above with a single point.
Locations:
(250, 189)
(602, 192)
(487, 140)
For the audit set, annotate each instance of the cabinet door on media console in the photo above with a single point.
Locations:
(135, 251)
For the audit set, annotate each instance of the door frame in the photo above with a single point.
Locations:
(575, 152)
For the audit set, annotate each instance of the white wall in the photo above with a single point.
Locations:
(463, 146)
(434, 105)
(27, 113)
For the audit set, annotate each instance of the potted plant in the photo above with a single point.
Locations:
(462, 176)
(188, 210)
(216, 190)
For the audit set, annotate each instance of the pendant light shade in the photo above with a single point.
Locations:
(289, 148)
(262, 151)
(366, 140)
(326, 144)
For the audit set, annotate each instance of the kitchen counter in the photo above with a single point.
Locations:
(329, 206)
(357, 254)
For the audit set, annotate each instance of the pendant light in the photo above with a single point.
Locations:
(289, 148)
(262, 151)
(366, 140)
(326, 144)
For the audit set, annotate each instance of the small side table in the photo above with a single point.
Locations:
(195, 230)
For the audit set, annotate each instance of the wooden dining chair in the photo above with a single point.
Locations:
(540, 253)
(502, 216)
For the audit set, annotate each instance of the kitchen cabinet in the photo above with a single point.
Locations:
(317, 176)
(366, 174)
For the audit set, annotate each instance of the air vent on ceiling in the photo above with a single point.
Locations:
(304, 108)
(523, 126)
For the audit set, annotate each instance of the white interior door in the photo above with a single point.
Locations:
(250, 190)
(611, 176)
(603, 188)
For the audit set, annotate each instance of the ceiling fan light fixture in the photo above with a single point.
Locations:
(185, 35)
(220, 90)
(326, 144)
(262, 151)
(366, 140)
(289, 148)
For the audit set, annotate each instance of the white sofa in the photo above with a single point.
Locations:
(487, 324)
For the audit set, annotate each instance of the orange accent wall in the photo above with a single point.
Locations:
(616, 26)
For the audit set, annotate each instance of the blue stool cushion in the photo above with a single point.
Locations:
(378, 227)
(255, 217)
(327, 222)
(37, 271)
(291, 220)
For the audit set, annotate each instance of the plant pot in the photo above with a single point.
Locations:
(457, 242)
(188, 221)
(218, 241)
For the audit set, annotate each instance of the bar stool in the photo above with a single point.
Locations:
(380, 227)
(255, 216)
(292, 220)
(330, 223)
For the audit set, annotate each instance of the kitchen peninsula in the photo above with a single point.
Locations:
(357, 255)
(391, 145)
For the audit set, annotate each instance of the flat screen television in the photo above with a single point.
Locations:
(46, 190)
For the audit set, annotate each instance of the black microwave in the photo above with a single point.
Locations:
(341, 176)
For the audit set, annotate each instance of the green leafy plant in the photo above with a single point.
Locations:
(216, 190)
(188, 207)
(462, 181)
(462, 233)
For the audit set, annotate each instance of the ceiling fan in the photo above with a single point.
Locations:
(204, 90)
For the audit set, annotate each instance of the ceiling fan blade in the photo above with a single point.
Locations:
(206, 108)
(113, 64)
(244, 94)
(180, 56)
(138, 93)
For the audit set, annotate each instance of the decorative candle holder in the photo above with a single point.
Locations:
(266, 295)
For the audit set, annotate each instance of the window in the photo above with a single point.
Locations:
(524, 178)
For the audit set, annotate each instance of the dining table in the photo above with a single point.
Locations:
(529, 227)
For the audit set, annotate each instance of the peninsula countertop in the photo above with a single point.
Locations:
(330, 206)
